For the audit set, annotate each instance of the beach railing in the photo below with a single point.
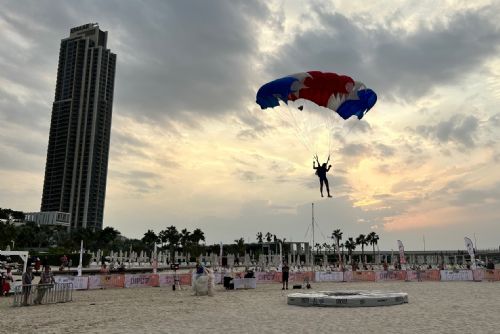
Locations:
(32, 294)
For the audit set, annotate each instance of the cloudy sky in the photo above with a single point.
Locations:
(191, 148)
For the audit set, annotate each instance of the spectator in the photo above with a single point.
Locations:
(285, 270)
(46, 281)
(27, 280)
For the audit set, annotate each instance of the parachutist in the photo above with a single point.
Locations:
(321, 171)
(301, 108)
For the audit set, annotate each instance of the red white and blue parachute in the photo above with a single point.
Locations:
(337, 92)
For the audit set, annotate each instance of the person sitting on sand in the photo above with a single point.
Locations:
(321, 171)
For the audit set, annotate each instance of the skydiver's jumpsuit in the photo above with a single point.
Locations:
(321, 172)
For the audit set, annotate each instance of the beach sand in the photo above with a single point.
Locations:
(434, 307)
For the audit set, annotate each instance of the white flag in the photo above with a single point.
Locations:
(402, 258)
(470, 248)
(220, 255)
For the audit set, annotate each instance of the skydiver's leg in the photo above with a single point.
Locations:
(321, 186)
(327, 187)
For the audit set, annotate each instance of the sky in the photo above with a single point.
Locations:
(191, 148)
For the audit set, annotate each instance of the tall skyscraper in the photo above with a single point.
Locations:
(78, 150)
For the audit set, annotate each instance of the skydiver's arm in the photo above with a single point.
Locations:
(328, 159)
(328, 169)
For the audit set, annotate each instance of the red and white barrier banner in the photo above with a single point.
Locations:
(300, 276)
(106, 281)
(361, 276)
(457, 275)
(331, 276)
(478, 275)
(141, 280)
(392, 275)
(271, 277)
(245, 283)
(491, 275)
(79, 282)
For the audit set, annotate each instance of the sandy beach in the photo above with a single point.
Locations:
(434, 307)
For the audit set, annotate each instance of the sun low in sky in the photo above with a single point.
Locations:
(191, 148)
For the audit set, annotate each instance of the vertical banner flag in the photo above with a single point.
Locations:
(81, 255)
(220, 255)
(401, 252)
(155, 260)
(470, 248)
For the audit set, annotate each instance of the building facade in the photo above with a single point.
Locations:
(80, 128)
(52, 218)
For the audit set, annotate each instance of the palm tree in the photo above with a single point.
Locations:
(260, 238)
(197, 236)
(173, 237)
(185, 239)
(269, 237)
(240, 246)
(318, 248)
(350, 244)
(337, 236)
(362, 241)
(150, 239)
(195, 248)
(373, 240)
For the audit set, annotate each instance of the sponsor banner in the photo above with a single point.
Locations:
(106, 281)
(392, 275)
(456, 275)
(245, 283)
(333, 276)
(491, 274)
(141, 280)
(263, 277)
(362, 276)
(79, 282)
(478, 275)
(402, 258)
(301, 277)
(169, 279)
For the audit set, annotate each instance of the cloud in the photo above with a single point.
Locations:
(395, 63)
(459, 129)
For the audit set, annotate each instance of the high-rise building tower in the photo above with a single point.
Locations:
(78, 150)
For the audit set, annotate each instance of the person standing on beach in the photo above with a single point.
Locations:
(27, 279)
(46, 279)
(285, 272)
(321, 171)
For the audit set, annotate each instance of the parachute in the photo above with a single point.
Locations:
(341, 95)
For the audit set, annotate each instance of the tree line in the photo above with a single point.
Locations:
(57, 240)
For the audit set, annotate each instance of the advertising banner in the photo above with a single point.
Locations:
(362, 276)
(331, 276)
(79, 282)
(141, 280)
(491, 275)
(402, 258)
(106, 281)
(456, 275)
(392, 275)
(271, 277)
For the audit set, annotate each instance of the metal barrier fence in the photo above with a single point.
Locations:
(43, 294)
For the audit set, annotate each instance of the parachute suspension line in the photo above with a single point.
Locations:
(300, 131)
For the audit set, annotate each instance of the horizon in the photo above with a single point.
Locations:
(190, 147)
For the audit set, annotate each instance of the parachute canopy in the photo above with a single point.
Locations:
(330, 90)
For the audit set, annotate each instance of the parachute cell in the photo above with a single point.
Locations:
(339, 93)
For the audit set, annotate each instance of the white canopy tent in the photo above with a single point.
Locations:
(22, 254)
